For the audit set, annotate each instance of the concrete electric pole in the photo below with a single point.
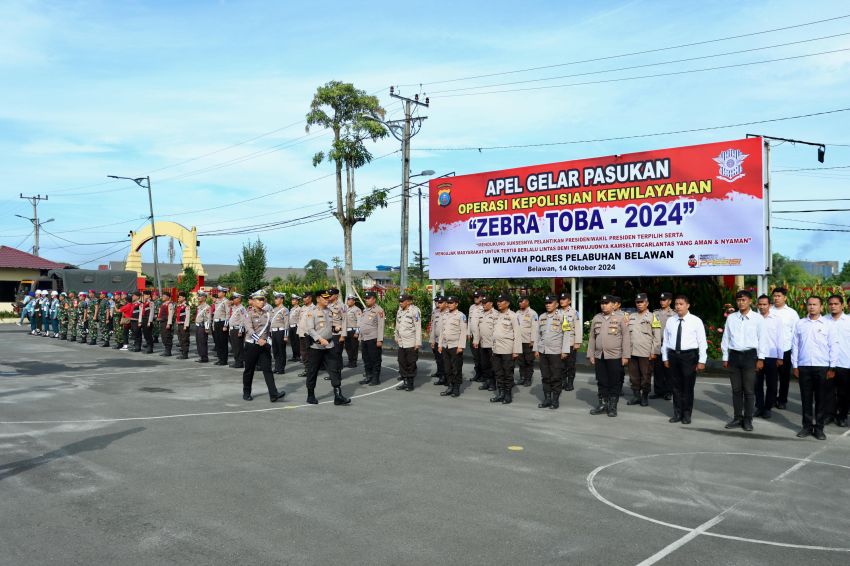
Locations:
(35, 223)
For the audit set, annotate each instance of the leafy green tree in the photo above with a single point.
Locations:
(843, 276)
(351, 115)
(315, 270)
(231, 280)
(188, 280)
(252, 267)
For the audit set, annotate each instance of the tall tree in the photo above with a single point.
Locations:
(316, 270)
(351, 116)
(188, 280)
(252, 266)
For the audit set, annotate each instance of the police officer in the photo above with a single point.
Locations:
(552, 347)
(338, 311)
(507, 346)
(453, 333)
(303, 336)
(608, 350)
(352, 323)
(436, 327)
(408, 338)
(165, 316)
(475, 310)
(482, 340)
(279, 332)
(203, 324)
(571, 325)
(182, 319)
(661, 373)
(220, 314)
(319, 326)
(146, 317)
(235, 330)
(527, 319)
(256, 323)
(645, 338)
(292, 334)
(371, 339)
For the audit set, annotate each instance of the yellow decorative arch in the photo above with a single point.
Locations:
(187, 238)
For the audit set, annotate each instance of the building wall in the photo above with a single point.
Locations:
(9, 280)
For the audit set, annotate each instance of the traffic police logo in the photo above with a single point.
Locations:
(731, 165)
(692, 261)
(444, 194)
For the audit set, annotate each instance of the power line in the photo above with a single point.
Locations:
(636, 136)
(812, 169)
(812, 222)
(811, 229)
(640, 77)
(812, 210)
(644, 65)
(84, 243)
(812, 200)
(629, 54)
(24, 240)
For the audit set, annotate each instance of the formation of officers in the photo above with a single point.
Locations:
(763, 346)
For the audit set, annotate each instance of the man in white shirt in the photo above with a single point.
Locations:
(684, 351)
(741, 354)
(789, 318)
(838, 376)
(810, 359)
(771, 342)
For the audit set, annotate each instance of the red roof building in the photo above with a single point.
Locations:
(11, 258)
(17, 266)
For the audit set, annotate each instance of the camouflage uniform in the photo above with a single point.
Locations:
(102, 316)
(82, 309)
(72, 319)
(62, 315)
(92, 321)
(117, 330)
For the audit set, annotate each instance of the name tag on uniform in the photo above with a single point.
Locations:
(614, 330)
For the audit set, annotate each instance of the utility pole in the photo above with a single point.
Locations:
(139, 181)
(36, 225)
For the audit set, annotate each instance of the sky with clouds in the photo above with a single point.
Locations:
(208, 98)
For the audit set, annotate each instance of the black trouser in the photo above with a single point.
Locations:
(294, 343)
(220, 341)
(147, 330)
(304, 348)
(319, 357)
(202, 342)
(842, 389)
(339, 346)
(743, 379)
(371, 358)
(453, 365)
(486, 357)
(662, 378)
(609, 376)
(568, 368)
(526, 362)
(766, 377)
(183, 340)
(438, 359)
(683, 373)
(278, 339)
(237, 345)
(813, 391)
(784, 379)
(503, 370)
(640, 374)
(258, 357)
(167, 337)
(407, 358)
(136, 331)
(550, 372)
(351, 347)
(476, 358)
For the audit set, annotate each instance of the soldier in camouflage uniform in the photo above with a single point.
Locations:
(91, 318)
(157, 302)
(62, 315)
(72, 317)
(103, 308)
(82, 310)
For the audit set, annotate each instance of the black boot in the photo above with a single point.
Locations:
(339, 399)
(547, 401)
(448, 391)
(500, 396)
(635, 400)
(311, 397)
(402, 386)
(485, 385)
(602, 407)
(569, 386)
(441, 380)
(508, 397)
(376, 380)
(612, 405)
(644, 399)
(366, 380)
(555, 400)
(455, 391)
(409, 384)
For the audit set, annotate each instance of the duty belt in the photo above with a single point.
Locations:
(278, 329)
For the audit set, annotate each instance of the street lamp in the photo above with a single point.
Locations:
(139, 181)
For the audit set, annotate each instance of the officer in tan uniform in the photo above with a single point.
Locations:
(303, 337)
(319, 327)
(294, 316)
(436, 314)
(408, 338)
(203, 323)
(279, 332)
(453, 334)
(220, 314)
(608, 350)
(507, 346)
(552, 347)
(663, 379)
(475, 310)
(338, 311)
(644, 338)
(527, 319)
(482, 340)
(183, 321)
(352, 323)
(372, 339)
(235, 328)
(571, 324)
(166, 323)
(257, 324)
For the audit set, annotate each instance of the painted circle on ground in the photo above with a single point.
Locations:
(591, 486)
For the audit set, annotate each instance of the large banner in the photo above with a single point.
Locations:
(697, 210)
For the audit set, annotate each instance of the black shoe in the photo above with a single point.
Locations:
(602, 407)
(104, 345)
(668, 397)
(734, 423)
(375, 381)
(635, 400)
(819, 434)
(236, 366)
(804, 432)
(500, 396)
(828, 420)
(766, 414)
(644, 399)
(247, 397)
(555, 400)
(570, 386)
(447, 392)
(675, 419)
(303, 374)
(491, 386)
(311, 397)
(686, 418)
(182, 357)
(339, 399)
(402, 386)
(484, 386)
(441, 381)
(748, 424)
(508, 398)
(365, 380)
(455, 391)
(547, 401)
(202, 361)
(612, 405)
(410, 384)
(781, 406)
(279, 397)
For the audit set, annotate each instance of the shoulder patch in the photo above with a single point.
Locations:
(463, 317)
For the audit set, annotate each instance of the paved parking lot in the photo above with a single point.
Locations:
(112, 457)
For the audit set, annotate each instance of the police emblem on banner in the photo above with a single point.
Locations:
(444, 194)
(731, 165)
